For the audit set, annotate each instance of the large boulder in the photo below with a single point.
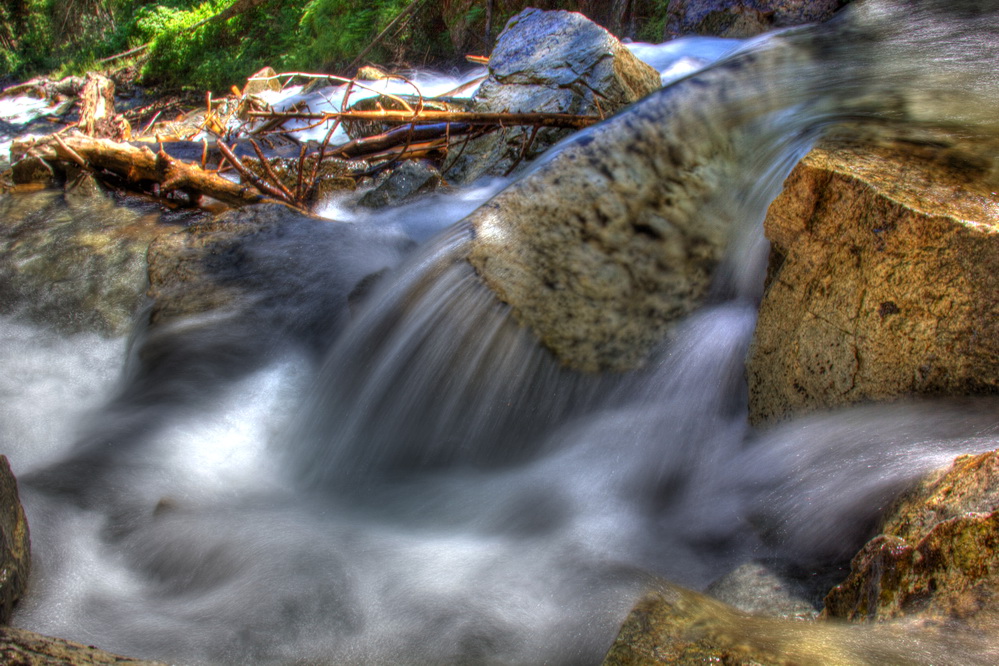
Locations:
(743, 18)
(15, 544)
(884, 282)
(551, 62)
(937, 558)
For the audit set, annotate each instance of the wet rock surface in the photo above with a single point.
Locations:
(15, 544)
(552, 62)
(755, 587)
(26, 648)
(671, 625)
(884, 282)
(936, 561)
(75, 261)
(409, 179)
(238, 264)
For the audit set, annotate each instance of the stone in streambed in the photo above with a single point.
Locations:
(15, 544)
(409, 179)
(74, 262)
(671, 625)
(550, 62)
(884, 282)
(26, 648)
(755, 587)
(265, 273)
(936, 561)
(743, 18)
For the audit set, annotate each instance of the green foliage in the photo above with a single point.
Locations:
(331, 33)
(70, 36)
(652, 26)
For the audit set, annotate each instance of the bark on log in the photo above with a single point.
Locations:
(140, 164)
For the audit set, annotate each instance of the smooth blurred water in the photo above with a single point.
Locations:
(349, 468)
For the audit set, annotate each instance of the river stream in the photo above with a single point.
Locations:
(419, 482)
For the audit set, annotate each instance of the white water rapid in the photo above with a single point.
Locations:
(425, 484)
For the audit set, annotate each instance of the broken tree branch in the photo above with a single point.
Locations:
(140, 164)
(565, 120)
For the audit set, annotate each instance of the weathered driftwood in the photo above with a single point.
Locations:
(368, 146)
(27, 648)
(97, 115)
(139, 165)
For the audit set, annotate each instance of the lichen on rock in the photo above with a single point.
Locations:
(936, 561)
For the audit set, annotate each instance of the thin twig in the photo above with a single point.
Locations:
(249, 175)
(301, 173)
(523, 151)
(72, 153)
(270, 172)
(565, 120)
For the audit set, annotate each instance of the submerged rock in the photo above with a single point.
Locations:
(757, 588)
(884, 282)
(276, 271)
(671, 625)
(937, 559)
(74, 262)
(552, 62)
(26, 648)
(15, 544)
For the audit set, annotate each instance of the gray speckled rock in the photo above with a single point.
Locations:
(602, 248)
(554, 62)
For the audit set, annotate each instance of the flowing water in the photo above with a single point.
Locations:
(408, 477)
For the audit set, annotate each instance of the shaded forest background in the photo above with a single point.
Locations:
(214, 44)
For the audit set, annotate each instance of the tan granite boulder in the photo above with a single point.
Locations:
(884, 282)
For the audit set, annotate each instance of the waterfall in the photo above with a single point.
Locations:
(330, 472)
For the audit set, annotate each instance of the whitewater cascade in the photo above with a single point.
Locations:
(419, 480)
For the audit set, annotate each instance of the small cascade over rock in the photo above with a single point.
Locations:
(396, 439)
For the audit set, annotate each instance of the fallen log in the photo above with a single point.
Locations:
(139, 165)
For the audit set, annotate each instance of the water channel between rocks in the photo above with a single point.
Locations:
(307, 476)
